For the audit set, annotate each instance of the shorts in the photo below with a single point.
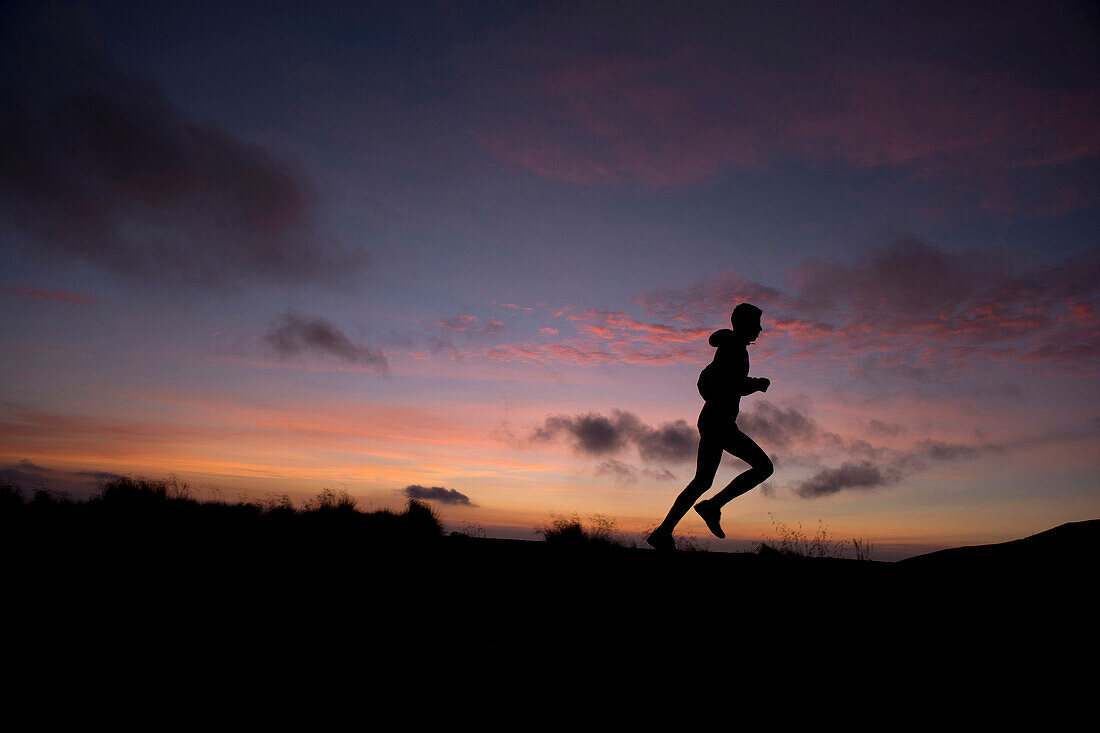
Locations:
(714, 419)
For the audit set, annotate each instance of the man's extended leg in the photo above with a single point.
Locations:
(710, 455)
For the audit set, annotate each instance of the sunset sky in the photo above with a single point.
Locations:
(472, 251)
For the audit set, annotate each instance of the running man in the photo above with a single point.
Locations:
(722, 384)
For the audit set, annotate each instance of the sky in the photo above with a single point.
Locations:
(471, 252)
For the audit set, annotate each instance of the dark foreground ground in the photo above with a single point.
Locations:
(137, 596)
(139, 577)
(147, 581)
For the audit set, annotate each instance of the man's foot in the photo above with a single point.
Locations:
(659, 541)
(712, 516)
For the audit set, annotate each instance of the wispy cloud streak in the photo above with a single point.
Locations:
(909, 311)
(685, 117)
(294, 334)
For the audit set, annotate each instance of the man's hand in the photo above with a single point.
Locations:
(764, 384)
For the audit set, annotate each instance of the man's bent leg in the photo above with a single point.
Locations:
(760, 469)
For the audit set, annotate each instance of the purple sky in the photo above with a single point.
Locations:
(471, 251)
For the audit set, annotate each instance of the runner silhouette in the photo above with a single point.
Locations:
(722, 384)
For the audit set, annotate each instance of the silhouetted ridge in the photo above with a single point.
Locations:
(1073, 543)
(145, 517)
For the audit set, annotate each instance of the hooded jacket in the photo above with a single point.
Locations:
(724, 381)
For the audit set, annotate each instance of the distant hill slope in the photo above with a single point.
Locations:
(1073, 543)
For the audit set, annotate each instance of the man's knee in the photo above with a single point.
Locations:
(701, 484)
(765, 468)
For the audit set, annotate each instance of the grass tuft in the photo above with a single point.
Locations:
(331, 500)
(793, 542)
(865, 550)
(567, 530)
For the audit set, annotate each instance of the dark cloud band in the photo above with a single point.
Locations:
(100, 167)
(598, 435)
(862, 475)
(437, 493)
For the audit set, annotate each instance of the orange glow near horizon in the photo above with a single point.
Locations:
(257, 444)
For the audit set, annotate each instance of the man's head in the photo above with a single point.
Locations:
(746, 321)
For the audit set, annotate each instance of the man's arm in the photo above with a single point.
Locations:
(754, 384)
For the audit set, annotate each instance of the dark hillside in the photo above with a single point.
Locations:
(135, 567)
(1073, 543)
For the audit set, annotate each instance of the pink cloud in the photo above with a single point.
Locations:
(605, 120)
(622, 326)
(512, 306)
(458, 323)
(469, 324)
(936, 119)
(910, 311)
(682, 119)
(569, 353)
